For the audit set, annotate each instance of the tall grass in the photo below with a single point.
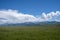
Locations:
(30, 33)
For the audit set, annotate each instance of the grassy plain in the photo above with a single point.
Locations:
(30, 33)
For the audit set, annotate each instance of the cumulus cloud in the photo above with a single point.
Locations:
(14, 16)
(50, 15)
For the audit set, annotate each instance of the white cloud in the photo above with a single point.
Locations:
(13, 16)
(51, 15)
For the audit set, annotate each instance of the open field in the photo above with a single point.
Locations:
(30, 33)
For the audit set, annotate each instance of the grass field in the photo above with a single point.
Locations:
(30, 33)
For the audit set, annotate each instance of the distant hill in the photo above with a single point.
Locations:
(49, 23)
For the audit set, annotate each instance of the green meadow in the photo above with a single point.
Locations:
(30, 33)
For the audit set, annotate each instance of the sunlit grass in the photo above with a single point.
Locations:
(30, 33)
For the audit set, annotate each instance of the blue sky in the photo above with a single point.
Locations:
(20, 11)
(34, 7)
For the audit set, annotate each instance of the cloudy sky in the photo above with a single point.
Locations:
(20, 11)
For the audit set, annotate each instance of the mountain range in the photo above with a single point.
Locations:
(33, 23)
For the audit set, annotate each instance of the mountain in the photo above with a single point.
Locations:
(33, 23)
